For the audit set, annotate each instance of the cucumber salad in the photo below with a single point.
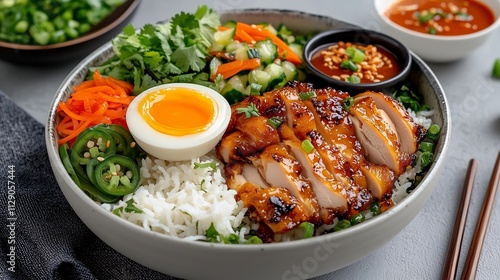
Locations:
(236, 59)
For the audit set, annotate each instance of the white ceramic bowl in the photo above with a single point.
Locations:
(436, 48)
(290, 260)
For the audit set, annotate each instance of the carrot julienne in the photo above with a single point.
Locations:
(101, 100)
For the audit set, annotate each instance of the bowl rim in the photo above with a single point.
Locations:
(130, 5)
(448, 38)
(312, 46)
(440, 155)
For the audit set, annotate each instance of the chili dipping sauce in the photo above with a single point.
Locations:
(339, 62)
(442, 17)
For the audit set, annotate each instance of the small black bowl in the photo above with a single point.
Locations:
(76, 48)
(362, 37)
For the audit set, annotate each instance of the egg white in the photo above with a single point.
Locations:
(176, 148)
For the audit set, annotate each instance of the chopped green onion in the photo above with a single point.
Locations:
(307, 95)
(347, 103)
(348, 64)
(356, 55)
(275, 122)
(249, 111)
(496, 69)
(433, 132)
(426, 146)
(308, 229)
(426, 159)
(307, 146)
(353, 79)
(358, 218)
(375, 208)
(342, 224)
(212, 234)
(424, 16)
(255, 89)
(212, 165)
(254, 240)
(232, 239)
(432, 30)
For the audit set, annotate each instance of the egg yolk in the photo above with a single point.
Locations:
(178, 111)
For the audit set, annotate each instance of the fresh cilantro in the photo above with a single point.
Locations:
(212, 165)
(174, 51)
(130, 208)
(249, 111)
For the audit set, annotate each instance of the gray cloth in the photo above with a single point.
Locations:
(39, 233)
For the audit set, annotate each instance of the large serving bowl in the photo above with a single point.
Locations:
(436, 48)
(200, 260)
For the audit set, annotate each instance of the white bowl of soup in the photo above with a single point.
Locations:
(439, 31)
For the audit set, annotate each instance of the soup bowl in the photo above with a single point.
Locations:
(437, 48)
(286, 260)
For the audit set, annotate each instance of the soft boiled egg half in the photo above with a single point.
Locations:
(178, 121)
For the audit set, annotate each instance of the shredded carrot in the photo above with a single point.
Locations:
(232, 68)
(242, 35)
(223, 28)
(259, 32)
(101, 100)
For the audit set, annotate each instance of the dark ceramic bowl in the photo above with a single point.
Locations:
(363, 37)
(72, 49)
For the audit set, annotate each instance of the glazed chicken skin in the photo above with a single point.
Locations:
(321, 161)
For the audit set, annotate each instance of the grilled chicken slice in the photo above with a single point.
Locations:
(303, 124)
(235, 146)
(329, 192)
(410, 133)
(273, 206)
(335, 125)
(280, 169)
(377, 137)
(259, 132)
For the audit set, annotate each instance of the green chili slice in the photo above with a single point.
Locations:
(117, 175)
(433, 132)
(347, 103)
(88, 139)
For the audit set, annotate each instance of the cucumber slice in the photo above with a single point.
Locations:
(290, 70)
(224, 37)
(234, 90)
(234, 45)
(214, 65)
(260, 77)
(230, 24)
(268, 51)
(253, 89)
(297, 49)
(277, 75)
(241, 53)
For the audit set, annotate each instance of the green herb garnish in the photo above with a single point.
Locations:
(275, 122)
(307, 95)
(212, 165)
(347, 103)
(130, 208)
(307, 146)
(249, 111)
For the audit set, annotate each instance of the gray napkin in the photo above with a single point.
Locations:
(40, 235)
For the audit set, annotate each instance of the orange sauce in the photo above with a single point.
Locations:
(441, 17)
(178, 111)
(386, 70)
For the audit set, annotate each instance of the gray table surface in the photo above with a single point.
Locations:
(418, 252)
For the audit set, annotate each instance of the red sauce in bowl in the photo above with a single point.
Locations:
(378, 64)
(442, 17)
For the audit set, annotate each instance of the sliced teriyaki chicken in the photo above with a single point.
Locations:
(377, 136)
(336, 127)
(273, 206)
(251, 136)
(330, 193)
(235, 146)
(280, 169)
(409, 132)
(302, 121)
